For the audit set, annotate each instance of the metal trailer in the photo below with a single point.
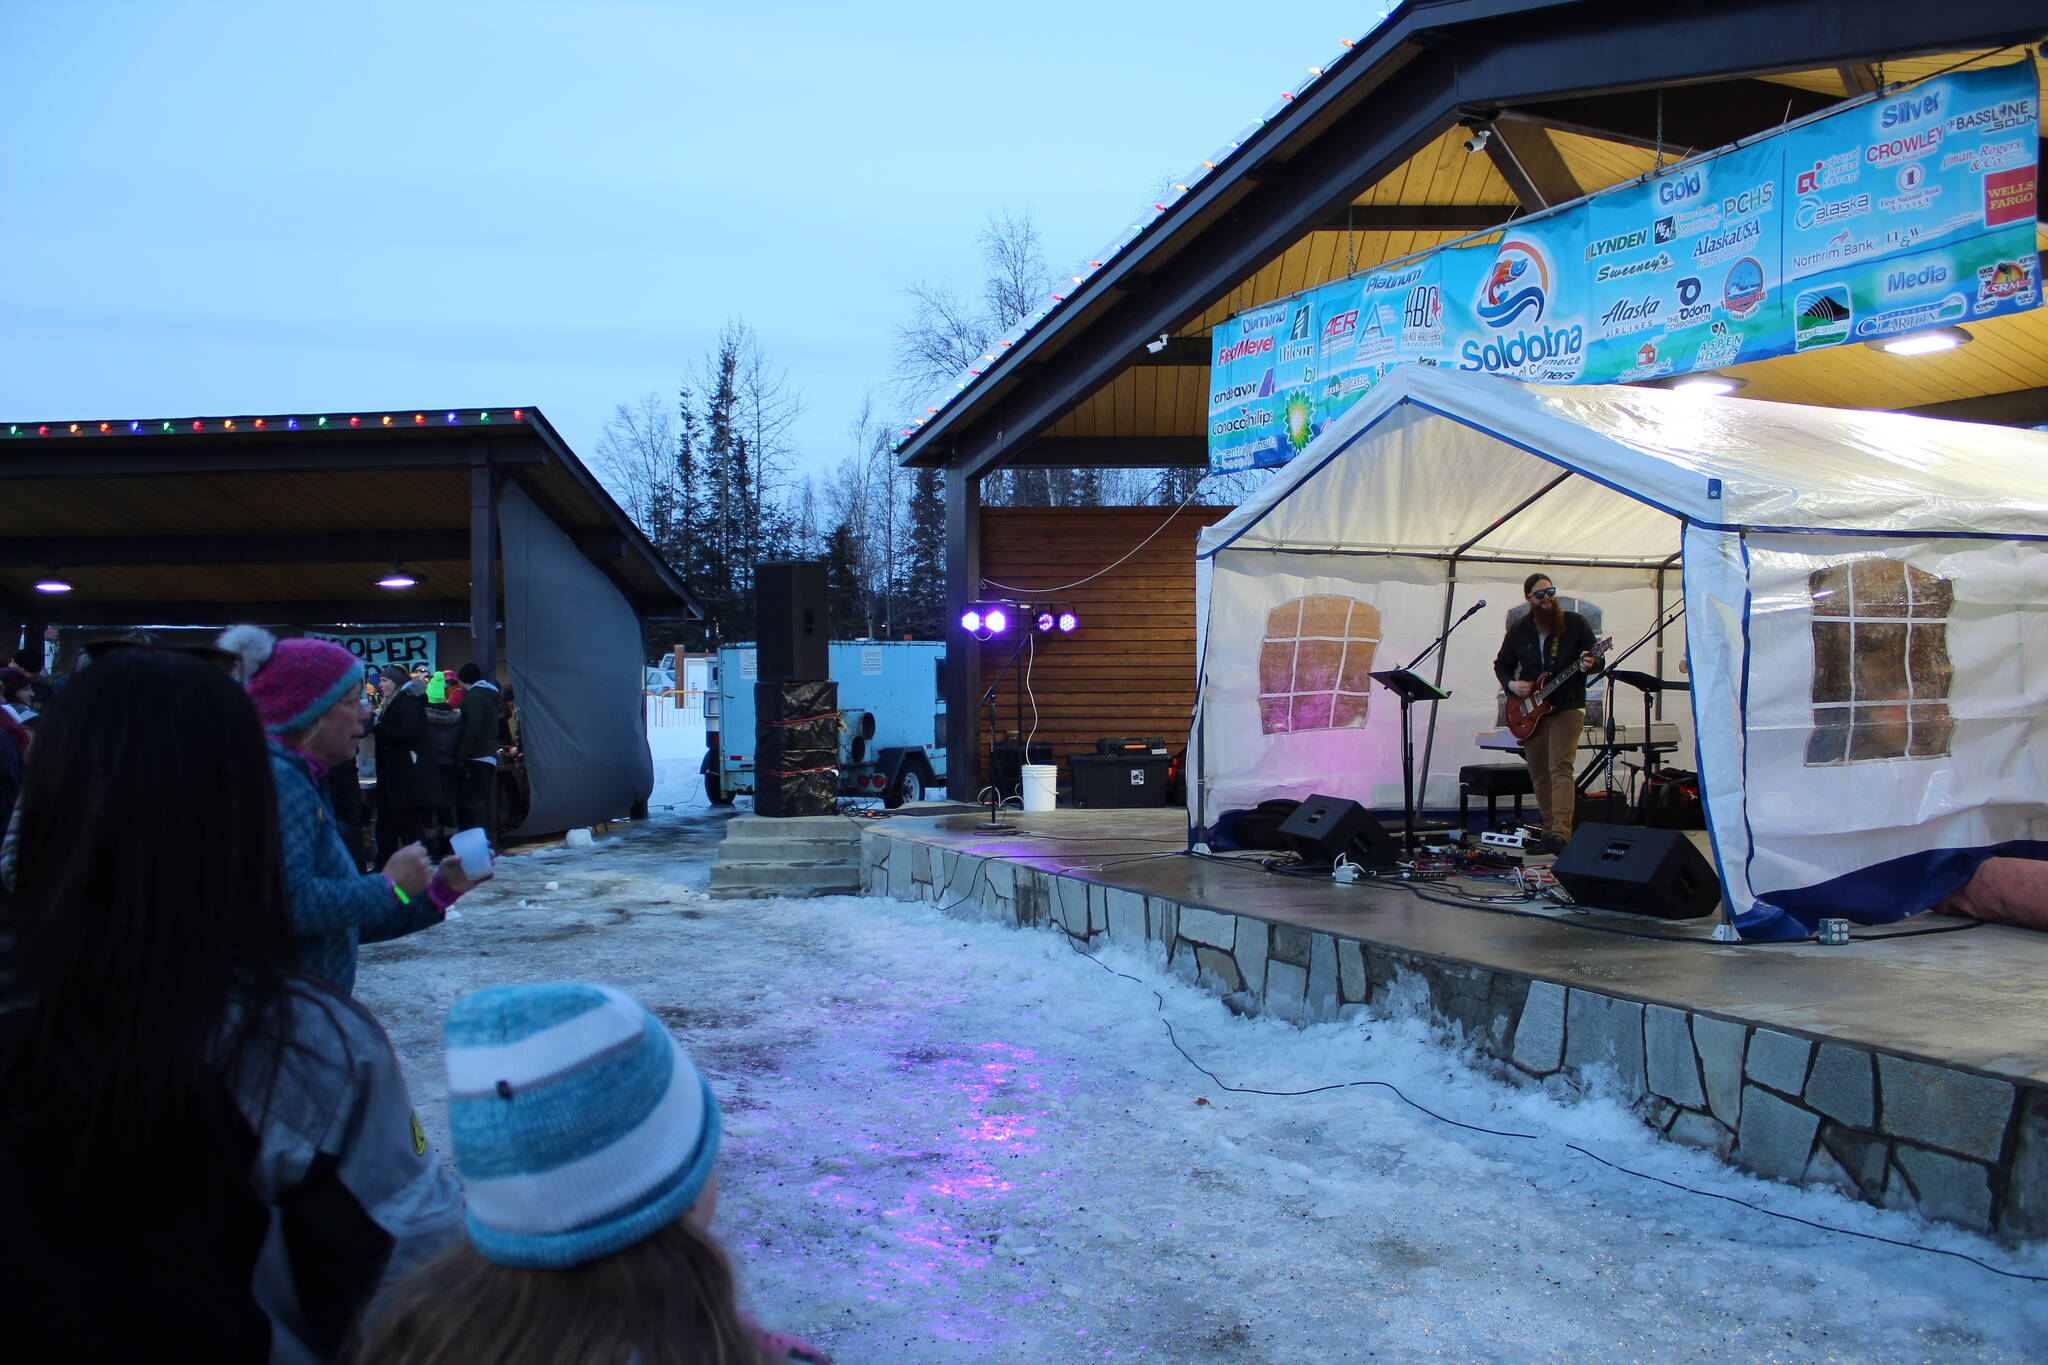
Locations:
(892, 730)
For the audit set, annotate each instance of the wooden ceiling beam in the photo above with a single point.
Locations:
(1418, 218)
(1692, 118)
(2020, 408)
(1529, 161)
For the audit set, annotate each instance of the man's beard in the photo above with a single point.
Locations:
(1549, 615)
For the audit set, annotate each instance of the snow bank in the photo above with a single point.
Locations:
(953, 1141)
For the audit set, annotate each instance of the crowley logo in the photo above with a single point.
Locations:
(1517, 284)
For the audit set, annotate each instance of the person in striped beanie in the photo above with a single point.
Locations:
(306, 695)
(587, 1142)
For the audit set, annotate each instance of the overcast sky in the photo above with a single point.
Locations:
(224, 207)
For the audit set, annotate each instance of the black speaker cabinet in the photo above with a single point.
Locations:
(1642, 871)
(1324, 826)
(789, 618)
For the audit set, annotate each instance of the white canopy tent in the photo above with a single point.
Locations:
(1864, 596)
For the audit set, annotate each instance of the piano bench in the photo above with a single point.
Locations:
(1493, 781)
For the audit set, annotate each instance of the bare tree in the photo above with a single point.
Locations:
(946, 334)
(636, 457)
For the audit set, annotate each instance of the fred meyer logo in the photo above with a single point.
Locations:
(1244, 350)
(1626, 241)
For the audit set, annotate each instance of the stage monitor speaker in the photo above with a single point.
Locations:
(1642, 871)
(1324, 826)
(789, 619)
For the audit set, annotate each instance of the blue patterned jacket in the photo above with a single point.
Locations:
(334, 906)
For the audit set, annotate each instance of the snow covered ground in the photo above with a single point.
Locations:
(952, 1141)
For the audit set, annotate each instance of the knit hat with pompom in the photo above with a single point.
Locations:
(292, 682)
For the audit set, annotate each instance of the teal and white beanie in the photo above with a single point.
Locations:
(580, 1126)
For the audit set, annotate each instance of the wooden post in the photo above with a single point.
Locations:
(963, 652)
(483, 564)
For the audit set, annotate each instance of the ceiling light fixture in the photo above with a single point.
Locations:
(1930, 342)
(397, 578)
(1713, 383)
(52, 583)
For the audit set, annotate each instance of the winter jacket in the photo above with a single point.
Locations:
(325, 1193)
(400, 731)
(1523, 657)
(478, 736)
(438, 773)
(334, 906)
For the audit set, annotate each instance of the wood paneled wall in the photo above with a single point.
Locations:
(1130, 668)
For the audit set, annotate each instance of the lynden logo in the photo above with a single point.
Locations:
(1518, 283)
(1906, 112)
(1244, 350)
(1626, 241)
(1679, 188)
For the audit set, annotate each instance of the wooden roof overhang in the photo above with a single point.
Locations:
(291, 520)
(1367, 164)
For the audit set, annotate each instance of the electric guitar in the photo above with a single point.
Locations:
(1526, 713)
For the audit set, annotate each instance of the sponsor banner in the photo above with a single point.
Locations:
(408, 648)
(1901, 214)
(1260, 409)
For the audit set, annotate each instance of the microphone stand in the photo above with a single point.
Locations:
(988, 700)
(1411, 687)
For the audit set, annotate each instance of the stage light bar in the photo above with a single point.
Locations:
(970, 621)
(995, 620)
(1068, 621)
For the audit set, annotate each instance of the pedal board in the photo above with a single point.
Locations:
(1512, 840)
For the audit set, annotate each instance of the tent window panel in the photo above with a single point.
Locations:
(1880, 654)
(1933, 727)
(1830, 662)
(1314, 662)
(1881, 668)
(1877, 587)
(1829, 589)
(1927, 664)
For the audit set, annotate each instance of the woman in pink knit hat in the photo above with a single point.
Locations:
(307, 697)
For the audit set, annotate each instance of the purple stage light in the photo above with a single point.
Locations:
(1068, 621)
(1044, 622)
(970, 621)
(996, 621)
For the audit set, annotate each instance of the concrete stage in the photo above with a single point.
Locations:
(1911, 1072)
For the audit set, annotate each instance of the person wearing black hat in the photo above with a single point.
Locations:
(399, 731)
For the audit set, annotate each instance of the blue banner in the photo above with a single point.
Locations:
(1904, 213)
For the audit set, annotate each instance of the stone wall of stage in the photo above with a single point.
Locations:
(1955, 1145)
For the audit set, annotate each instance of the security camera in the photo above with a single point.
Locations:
(1155, 347)
(1477, 142)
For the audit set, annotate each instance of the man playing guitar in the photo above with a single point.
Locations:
(1546, 642)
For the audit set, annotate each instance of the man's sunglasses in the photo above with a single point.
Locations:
(1544, 592)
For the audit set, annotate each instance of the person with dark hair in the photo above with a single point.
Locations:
(399, 731)
(1549, 640)
(204, 1153)
(476, 747)
(17, 693)
(305, 696)
(588, 1141)
(440, 773)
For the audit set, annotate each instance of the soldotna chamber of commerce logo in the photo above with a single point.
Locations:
(1518, 283)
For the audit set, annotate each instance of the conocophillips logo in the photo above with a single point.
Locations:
(1518, 283)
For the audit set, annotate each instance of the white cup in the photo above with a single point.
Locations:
(473, 847)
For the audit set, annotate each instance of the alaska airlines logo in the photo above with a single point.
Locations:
(1517, 284)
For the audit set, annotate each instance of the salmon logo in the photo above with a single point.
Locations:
(1518, 283)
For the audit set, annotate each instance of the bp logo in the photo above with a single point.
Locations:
(1742, 293)
(1821, 317)
(1518, 283)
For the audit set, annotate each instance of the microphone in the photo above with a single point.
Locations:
(1474, 607)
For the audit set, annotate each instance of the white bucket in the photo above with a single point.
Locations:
(1039, 780)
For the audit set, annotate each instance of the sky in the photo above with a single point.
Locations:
(218, 207)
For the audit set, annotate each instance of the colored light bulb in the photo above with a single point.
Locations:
(74, 428)
(291, 424)
(134, 428)
(1068, 621)
(419, 419)
(996, 620)
(355, 421)
(451, 419)
(387, 419)
(970, 621)
(259, 424)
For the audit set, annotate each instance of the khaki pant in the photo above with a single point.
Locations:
(1551, 751)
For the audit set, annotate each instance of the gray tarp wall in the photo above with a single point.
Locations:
(573, 646)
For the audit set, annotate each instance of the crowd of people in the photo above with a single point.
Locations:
(208, 1150)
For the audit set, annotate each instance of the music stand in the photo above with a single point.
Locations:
(1648, 684)
(1410, 687)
